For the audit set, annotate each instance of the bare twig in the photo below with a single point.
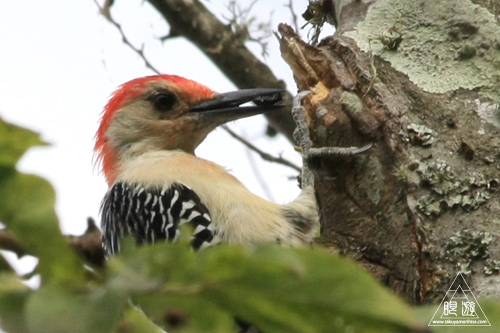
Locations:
(106, 7)
(265, 156)
(246, 26)
(105, 11)
(89, 245)
(258, 175)
(295, 20)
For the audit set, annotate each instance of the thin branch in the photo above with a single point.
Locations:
(258, 175)
(247, 26)
(295, 19)
(105, 11)
(106, 7)
(89, 245)
(265, 156)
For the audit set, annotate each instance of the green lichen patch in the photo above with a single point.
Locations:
(418, 135)
(441, 45)
(448, 190)
(466, 246)
(492, 267)
(406, 175)
(351, 102)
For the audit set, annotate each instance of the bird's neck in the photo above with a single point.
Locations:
(168, 166)
(113, 162)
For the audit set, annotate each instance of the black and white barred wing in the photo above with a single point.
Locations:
(153, 213)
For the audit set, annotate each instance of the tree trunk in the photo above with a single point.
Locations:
(420, 80)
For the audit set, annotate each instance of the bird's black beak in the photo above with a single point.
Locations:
(227, 107)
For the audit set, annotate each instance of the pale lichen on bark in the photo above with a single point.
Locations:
(455, 45)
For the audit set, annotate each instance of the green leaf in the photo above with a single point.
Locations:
(303, 290)
(55, 308)
(185, 313)
(135, 321)
(275, 288)
(13, 295)
(143, 268)
(4, 265)
(14, 142)
(27, 208)
(142, 272)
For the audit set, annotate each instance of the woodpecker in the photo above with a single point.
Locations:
(145, 146)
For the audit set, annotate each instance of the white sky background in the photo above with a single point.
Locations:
(61, 60)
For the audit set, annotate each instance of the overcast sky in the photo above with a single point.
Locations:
(61, 60)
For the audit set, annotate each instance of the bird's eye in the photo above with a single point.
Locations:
(164, 101)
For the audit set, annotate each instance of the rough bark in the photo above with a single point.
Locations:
(422, 204)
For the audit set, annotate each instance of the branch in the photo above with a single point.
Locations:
(258, 175)
(89, 245)
(265, 156)
(295, 20)
(105, 11)
(193, 21)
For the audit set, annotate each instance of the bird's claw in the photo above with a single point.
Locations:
(336, 151)
(297, 100)
(301, 133)
(302, 136)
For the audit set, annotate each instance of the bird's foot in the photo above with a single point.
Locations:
(302, 136)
